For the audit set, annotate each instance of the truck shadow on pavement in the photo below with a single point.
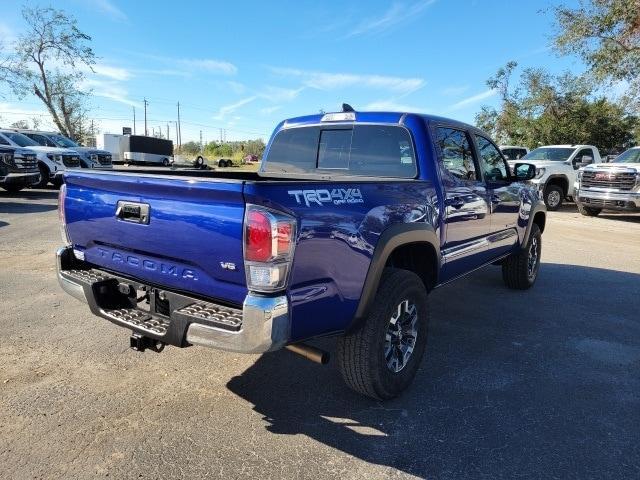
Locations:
(532, 384)
(22, 207)
(21, 202)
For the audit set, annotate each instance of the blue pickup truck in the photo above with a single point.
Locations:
(352, 219)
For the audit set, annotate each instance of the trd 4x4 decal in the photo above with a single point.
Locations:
(337, 196)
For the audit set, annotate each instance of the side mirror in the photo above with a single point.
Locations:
(584, 161)
(524, 171)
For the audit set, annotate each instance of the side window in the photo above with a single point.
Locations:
(40, 139)
(334, 149)
(3, 141)
(456, 152)
(491, 162)
(521, 153)
(583, 152)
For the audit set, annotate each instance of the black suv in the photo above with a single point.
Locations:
(18, 168)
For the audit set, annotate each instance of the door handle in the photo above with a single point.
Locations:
(455, 202)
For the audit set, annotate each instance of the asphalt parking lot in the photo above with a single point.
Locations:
(537, 384)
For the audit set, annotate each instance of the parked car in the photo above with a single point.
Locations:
(351, 221)
(18, 168)
(611, 186)
(52, 161)
(251, 158)
(89, 157)
(557, 168)
(512, 152)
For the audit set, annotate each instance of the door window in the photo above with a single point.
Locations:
(492, 164)
(456, 153)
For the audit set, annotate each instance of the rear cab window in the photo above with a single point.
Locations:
(358, 149)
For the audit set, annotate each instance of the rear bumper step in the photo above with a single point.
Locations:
(261, 325)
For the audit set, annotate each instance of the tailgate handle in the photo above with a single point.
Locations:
(133, 212)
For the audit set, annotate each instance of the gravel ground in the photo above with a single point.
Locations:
(537, 384)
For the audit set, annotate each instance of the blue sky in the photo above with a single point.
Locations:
(243, 66)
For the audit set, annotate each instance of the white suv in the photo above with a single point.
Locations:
(52, 162)
(557, 170)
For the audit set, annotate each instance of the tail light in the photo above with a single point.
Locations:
(62, 194)
(269, 241)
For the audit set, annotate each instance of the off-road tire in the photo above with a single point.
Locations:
(44, 177)
(553, 191)
(589, 211)
(361, 352)
(515, 268)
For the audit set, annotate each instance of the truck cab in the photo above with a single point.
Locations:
(611, 186)
(557, 170)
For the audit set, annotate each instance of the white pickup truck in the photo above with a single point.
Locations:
(611, 186)
(557, 170)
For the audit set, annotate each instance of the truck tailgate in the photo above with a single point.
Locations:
(191, 240)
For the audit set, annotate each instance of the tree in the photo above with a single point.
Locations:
(546, 109)
(605, 34)
(48, 62)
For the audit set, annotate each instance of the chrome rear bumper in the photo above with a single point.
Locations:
(264, 326)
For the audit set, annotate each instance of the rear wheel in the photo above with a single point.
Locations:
(381, 356)
(520, 270)
(589, 211)
(229, 163)
(553, 196)
(43, 181)
(222, 163)
(165, 162)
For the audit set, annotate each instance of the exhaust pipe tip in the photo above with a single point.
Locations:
(314, 354)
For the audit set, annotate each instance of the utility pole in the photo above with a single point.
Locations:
(168, 137)
(201, 146)
(179, 128)
(220, 135)
(134, 119)
(146, 132)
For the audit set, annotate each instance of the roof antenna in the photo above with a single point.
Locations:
(347, 108)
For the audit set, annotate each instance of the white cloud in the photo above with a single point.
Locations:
(270, 110)
(110, 90)
(393, 106)
(455, 90)
(398, 13)
(107, 7)
(227, 110)
(115, 73)
(209, 65)
(473, 99)
(279, 94)
(7, 35)
(237, 87)
(332, 81)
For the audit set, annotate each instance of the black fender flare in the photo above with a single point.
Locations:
(391, 238)
(537, 208)
(557, 176)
